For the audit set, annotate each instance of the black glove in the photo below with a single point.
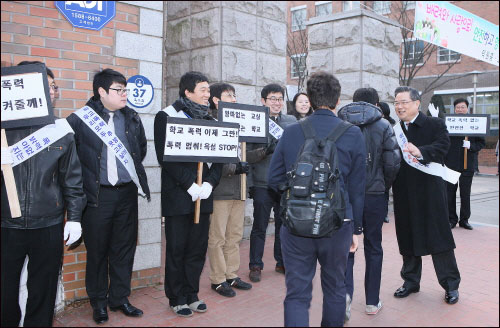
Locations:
(271, 146)
(251, 192)
(242, 167)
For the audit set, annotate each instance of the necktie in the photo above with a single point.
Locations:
(407, 126)
(112, 169)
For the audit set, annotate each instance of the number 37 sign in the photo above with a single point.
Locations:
(140, 91)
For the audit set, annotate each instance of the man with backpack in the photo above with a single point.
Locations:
(382, 165)
(323, 197)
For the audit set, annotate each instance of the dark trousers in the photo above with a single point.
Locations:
(300, 256)
(262, 204)
(373, 219)
(386, 209)
(110, 235)
(44, 248)
(186, 250)
(465, 183)
(445, 266)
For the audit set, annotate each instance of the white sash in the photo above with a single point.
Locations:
(101, 129)
(431, 168)
(275, 130)
(39, 140)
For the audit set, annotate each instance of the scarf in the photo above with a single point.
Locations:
(194, 110)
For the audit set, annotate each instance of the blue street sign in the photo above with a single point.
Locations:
(140, 91)
(92, 15)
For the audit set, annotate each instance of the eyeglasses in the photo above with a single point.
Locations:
(274, 99)
(461, 107)
(120, 92)
(402, 103)
(232, 95)
(54, 87)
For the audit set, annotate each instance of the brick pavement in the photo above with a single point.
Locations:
(477, 257)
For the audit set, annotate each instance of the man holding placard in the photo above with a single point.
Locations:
(263, 201)
(455, 160)
(48, 178)
(420, 209)
(187, 241)
(111, 144)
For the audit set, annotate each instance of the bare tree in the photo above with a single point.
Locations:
(297, 49)
(413, 59)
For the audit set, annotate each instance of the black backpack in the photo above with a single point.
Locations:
(313, 202)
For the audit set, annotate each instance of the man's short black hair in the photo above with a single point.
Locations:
(385, 108)
(189, 81)
(216, 90)
(28, 62)
(461, 100)
(271, 88)
(368, 95)
(323, 90)
(414, 95)
(105, 78)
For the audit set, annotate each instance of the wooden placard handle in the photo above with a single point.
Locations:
(243, 176)
(465, 155)
(198, 202)
(10, 183)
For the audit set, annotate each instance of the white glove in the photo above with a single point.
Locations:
(206, 190)
(466, 144)
(433, 110)
(194, 191)
(6, 156)
(73, 230)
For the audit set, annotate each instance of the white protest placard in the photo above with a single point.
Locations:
(252, 120)
(468, 125)
(451, 27)
(189, 140)
(25, 96)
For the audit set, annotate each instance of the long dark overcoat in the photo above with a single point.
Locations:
(420, 204)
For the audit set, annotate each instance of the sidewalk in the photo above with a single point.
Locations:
(477, 256)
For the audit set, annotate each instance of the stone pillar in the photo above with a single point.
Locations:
(239, 42)
(360, 48)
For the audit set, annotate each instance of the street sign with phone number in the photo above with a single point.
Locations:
(91, 15)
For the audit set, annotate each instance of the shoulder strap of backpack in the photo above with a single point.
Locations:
(338, 131)
(307, 128)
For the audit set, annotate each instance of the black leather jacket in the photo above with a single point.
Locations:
(383, 161)
(89, 147)
(47, 184)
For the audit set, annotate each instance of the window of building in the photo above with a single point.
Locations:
(446, 55)
(350, 5)
(410, 5)
(412, 52)
(382, 7)
(299, 16)
(298, 65)
(323, 8)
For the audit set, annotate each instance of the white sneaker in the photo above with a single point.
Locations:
(348, 301)
(182, 310)
(373, 309)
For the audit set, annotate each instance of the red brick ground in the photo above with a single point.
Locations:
(477, 257)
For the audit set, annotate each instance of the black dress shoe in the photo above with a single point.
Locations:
(100, 315)
(451, 297)
(465, 225)
(127, 309)
(403, 291)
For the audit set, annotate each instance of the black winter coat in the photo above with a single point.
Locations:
(178, 177)
(420, 199)
(90, 146)
(455, 157)
(382, 150)
(47, 184)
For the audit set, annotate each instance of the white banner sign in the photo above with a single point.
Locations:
(431, 168)
(252, 123)
(39, 140)
(448, 26)
(467, 125)
(23, 97)
(275, 130)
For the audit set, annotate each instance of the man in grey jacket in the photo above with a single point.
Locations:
(259, 157)
(382, 165)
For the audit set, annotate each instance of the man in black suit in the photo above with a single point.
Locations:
(420, 209)
(455, 161)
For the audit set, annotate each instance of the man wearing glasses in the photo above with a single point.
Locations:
(110, 220)
(260, 157)
(420, 205)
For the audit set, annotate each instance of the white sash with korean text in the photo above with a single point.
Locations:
(431, 168)
(38, 141)
(101, 129)
(275, 130)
